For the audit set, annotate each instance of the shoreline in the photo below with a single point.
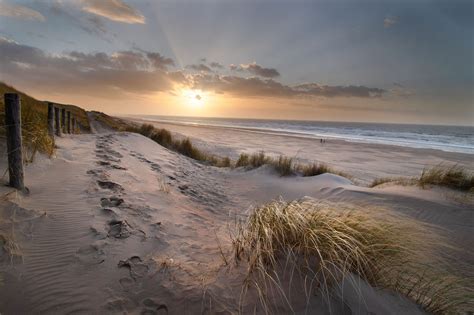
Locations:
(294, 134)
(365, 161)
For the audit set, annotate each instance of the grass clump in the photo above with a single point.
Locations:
(243, 160)
(455, 177)
(326, 242)
(314, 169)
(284, 166)
(183, 146)
(34, 122)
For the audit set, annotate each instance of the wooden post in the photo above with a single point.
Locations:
(51, 120)
(57, 121)
(13, 132)
(68, 123)
(63, 120)
(73, 124)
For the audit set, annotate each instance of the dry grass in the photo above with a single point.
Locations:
(285, 166)
(326, 242)
(34, 122)
(183, 146)
(404, 181)
(455, 177)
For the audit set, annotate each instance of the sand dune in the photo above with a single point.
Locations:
(116, 223)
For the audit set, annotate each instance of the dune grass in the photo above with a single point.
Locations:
(326, 242)
(450, 176)
(286, 166)
(183, 146)
(454, 176)
(34, 122)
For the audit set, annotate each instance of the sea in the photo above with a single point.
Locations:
(446, 138)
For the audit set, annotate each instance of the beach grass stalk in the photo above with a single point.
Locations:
(327, 242)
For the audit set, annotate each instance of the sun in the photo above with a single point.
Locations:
(193, 98)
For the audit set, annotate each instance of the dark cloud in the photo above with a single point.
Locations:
(115, 10)
(159, 61)
(316, 89)
(93, 73)
(199, 67)
(216, 65)
(256, 69)
(256, 87)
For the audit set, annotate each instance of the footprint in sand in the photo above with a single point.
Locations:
(119, 229)
(154, 307)
(138, 269)
(105, 184)
(111, 202)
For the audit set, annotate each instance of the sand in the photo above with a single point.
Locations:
(364, 161)
(115, 223)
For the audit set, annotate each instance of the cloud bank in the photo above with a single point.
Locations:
(139, 71)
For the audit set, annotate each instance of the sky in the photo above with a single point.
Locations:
(408, 61)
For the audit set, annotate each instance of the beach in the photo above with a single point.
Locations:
(116, 223)
(364, 161)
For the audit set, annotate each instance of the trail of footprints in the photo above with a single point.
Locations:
(209, 194)
(117, 227)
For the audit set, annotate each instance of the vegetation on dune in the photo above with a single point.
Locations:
(34, 122)
(286, 166)
(454, 177)
(327, 242)
(183, 146)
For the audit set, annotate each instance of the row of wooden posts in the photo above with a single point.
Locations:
(60, 121)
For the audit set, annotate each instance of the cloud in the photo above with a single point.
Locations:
(92, 25)
(256, 87)
(199, 67)
(316, 89)
(109, 75)
(159, 61)
(216, 65)
(98, 74)
(19, 11)
(400, 90)
(390, 21)
(198, 97)
(115, 10)
(256, 69)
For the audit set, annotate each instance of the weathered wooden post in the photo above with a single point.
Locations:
(73, 125)
(57, 121)
(13, 132)
(63, 120)
(68, 123)
(51, 120)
